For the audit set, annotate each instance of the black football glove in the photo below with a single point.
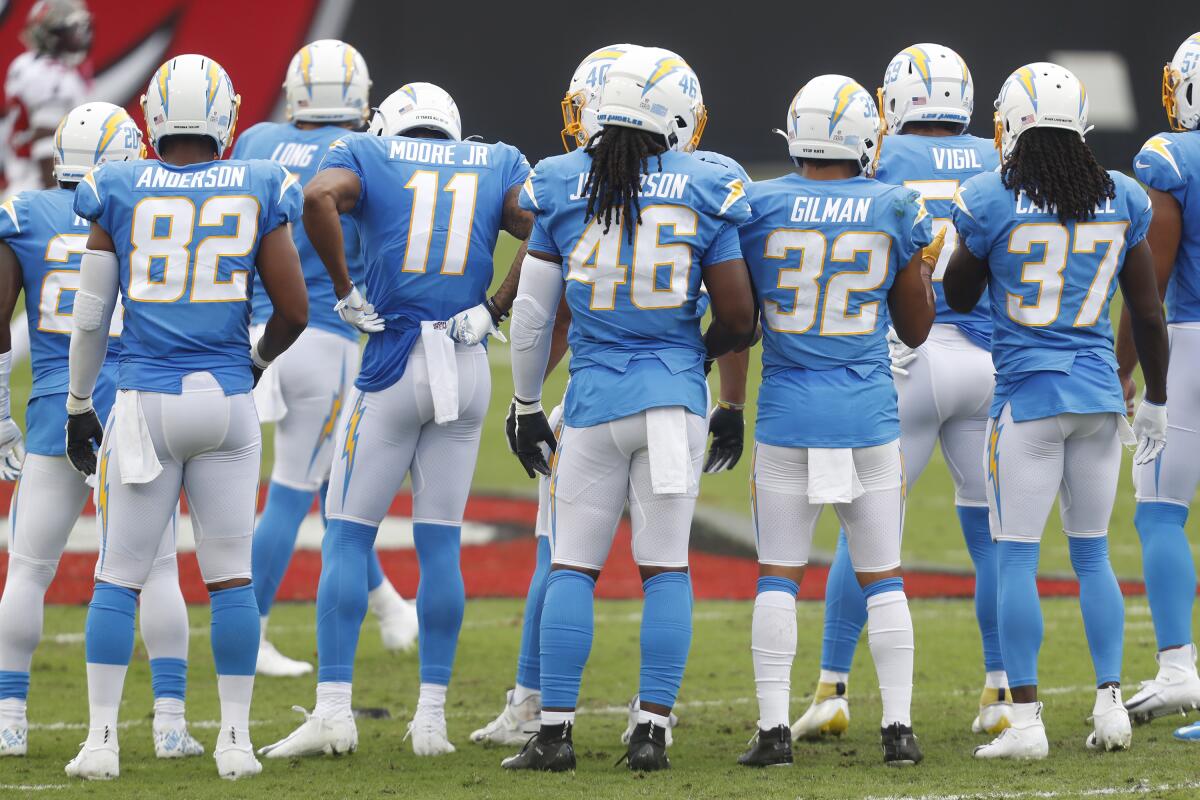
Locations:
(531, 430)
(510, 427)
(728, 429)
(84, 435)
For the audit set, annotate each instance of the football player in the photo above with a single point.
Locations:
(633, 416)
(183, 239)
(303, 394)
(43, 241)
(429, 208)
(944, 387)
(1167, 164)
(1048, 236)
(828, 247)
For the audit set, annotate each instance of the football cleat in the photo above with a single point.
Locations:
(994, 714)
(14, 739)
(829, 714)
(771, 748)
(235, 755)
(316, 736)
(174, 741)
(398, 626)
(97, 762)
(1174, 690)
(900, 748)
(632, 722)
(1023, 739)
(1111, 722)
(275, 664)
(428, 732)
(647, 749)
(549, 750)
(515, 724)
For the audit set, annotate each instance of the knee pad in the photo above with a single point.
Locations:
(224, 558)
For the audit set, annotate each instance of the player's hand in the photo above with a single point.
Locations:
(1129, 387)
(84, 435)
(727, 426)
(1150, 428)
(901, 354)
(354, 309)
(12, 450)
(531, 431)
(931, 252)
(473, 325)
(510, 427)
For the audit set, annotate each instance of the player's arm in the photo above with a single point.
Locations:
(558, 339)
(331, 193)
(1139, 287)
(910, 300)
(282, 278)
(735, 315)
(727, 422)
(965, 279)
(532, 330)
(12, 451)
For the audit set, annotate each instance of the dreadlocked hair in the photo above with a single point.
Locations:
(614, 183)
(1056, 169)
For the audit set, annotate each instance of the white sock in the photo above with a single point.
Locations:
(12, 711)
(106, 683)
(1178, 658)
(432, 698)
(558, 718)
(333, 700)
(168, 712)
(773, 648)
(645, 716)
(262, 629)
(996, 679)
(835, 677)
(890, 636)
(383, 599)
(235, 692)
(1025, 714)
(523, 693)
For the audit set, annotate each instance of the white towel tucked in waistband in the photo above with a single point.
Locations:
(135, 450)
(667, 440)
(831, 475)
(443, 371)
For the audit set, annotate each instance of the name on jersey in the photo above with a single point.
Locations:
(830, 209)
(453, 154)
(294, 154)
(956, 158)
(215, 177)
(1027, 206)
(659, 185)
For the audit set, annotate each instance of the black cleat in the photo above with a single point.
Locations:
(548, 750)
(647, 749)
(900, 748)
(771, 748)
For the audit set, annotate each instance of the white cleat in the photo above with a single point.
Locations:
(1111, 722)
(1174, 690)
(995, 712)
(1024, 739)
(235, 755)
(829, 714)
(97, 763)
(315, 737)
(632, 722)
(398, 626)
(515, 724)
(174, 741)
(275, 664)
(14, 739)
(428, 732)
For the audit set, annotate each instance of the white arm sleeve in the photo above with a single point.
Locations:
(532, 324)
(91, 316)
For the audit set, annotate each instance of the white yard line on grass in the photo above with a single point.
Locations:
(33, 787)
(1141, 788)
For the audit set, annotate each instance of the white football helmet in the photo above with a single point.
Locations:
(92, 134)
(1180, 86)
(327, 81)
(578, 104)
(927, 83)
(654, 90)
(1039, 95)
(417, 105)
(191, 94)
(833, 117)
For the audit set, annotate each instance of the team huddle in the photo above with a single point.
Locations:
(957, 288)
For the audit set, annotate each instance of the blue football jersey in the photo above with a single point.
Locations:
(936, 166)
(1170, 162)
(428, 218)
(723, 161)
(48, 239)
(1049, 289)
(823, 256)
(300, 150)
(635, 325)
(187, 239)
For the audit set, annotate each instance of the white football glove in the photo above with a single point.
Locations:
(473, 326)
(355, 309)
(12, 450)
(1150, 428)
(901, 354)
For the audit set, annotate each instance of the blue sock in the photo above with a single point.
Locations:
(321, 503)
(666, 636)
(974, 521)
(772, 583)
(168, 677)
(275, 539)
(342, 597)
(1101, 604)
(14, 684)
(1169, 571)
(235, 630)
(441, 598)
(845, 611)
(529, 661)
(108, 633)
(374, 571)
(567, 623)
(1019, 610)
